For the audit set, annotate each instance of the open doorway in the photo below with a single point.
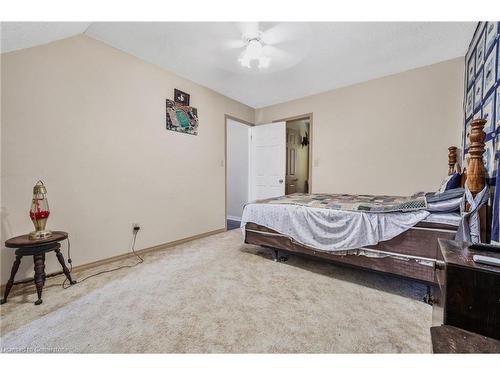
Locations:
(265, 161)
(237, 169)
(297, 156)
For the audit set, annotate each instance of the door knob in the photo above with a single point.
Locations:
(280, 181)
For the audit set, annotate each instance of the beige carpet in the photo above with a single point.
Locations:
(219, 295)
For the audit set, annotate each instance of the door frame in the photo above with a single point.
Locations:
(303, 117)
(229, 117)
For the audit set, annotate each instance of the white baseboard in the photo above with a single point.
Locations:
(234, 218)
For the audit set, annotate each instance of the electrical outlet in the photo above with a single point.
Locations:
(136, 227)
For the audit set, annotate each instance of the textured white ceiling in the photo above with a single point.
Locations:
(18, 35)
(311, 57)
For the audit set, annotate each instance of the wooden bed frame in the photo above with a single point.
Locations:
(412, 254)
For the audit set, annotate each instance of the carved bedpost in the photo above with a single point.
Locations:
(476, 172)
(452, 160)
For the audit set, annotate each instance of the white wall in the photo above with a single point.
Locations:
(386, 136)
(89, 120)
(237, 167)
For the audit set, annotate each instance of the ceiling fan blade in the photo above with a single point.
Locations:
(234, 44)
(249, 29)
(276, 54)
(285, 32)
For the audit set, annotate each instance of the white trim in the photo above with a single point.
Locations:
(234, 218)
(250, 164)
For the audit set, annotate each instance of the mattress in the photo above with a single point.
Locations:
(315, 221)
(329, 229)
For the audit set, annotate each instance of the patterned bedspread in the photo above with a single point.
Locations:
(346, 202)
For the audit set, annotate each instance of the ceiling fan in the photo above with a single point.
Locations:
(254, 50)
(264, 44)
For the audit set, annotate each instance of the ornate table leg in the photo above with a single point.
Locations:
(39, 260)
(9, 284)
(60, 258)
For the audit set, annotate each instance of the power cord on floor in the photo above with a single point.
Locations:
(136, 230)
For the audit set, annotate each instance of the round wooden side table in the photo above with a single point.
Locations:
(37, 248)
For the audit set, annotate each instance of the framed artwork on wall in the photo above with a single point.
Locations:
(181, 97)
(180, 118)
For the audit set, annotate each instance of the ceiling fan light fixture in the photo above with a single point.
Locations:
(254, 51)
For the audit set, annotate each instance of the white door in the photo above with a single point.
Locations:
(268, 160)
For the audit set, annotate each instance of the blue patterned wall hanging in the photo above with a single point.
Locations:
(482, 93)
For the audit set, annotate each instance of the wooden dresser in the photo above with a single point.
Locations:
(467, 294)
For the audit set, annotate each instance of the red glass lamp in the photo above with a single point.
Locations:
(39, 212)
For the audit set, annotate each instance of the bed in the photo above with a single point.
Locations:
(412, 253)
